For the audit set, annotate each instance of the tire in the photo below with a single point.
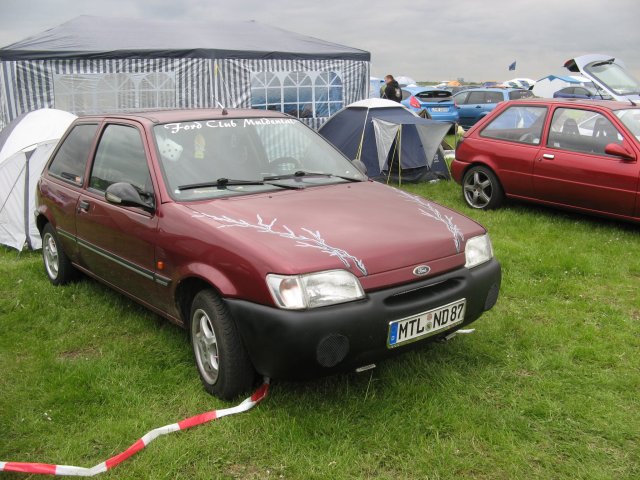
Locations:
(481, 189)
(56, 263)
(220, 356)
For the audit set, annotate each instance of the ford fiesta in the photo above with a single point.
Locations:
(273, 250)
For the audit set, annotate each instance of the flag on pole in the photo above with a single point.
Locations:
(512, 66)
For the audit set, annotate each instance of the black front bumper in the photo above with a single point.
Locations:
(288, 344)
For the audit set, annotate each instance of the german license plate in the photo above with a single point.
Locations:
(425, 324)
(440, 109)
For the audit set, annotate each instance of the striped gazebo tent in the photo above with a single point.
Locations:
(103, 65)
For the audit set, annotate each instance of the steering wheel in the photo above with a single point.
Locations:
(285, 164)
(528, 138)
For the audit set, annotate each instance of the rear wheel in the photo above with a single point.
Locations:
(221, 359)
(56, 263)
(481, 188)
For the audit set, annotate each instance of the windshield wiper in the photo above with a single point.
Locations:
(221, 183)
(301, 173)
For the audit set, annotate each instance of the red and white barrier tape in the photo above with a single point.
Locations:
(47, 469)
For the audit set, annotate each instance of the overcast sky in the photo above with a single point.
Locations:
(423, 39)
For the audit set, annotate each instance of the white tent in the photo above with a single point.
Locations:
(25, 146)
(547, 86)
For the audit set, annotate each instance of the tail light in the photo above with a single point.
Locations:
(414, 102)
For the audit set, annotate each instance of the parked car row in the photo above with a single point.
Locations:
(465, 107)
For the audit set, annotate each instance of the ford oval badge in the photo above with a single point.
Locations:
(421, 270)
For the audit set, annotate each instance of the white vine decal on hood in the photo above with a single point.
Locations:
(432, 212)
(306, 239)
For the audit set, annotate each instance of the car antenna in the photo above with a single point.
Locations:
(632, 102)
(224, 109)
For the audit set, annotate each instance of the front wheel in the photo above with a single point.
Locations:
(220, 355)
(481, 188)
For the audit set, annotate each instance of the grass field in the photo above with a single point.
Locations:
(547, 387)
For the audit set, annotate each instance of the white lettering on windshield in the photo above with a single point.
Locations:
(231, 123)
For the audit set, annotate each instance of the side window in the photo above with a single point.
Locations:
(71, 159)
(475, 97)
(518, 124)
(581, 131)
(493, 97)
(405, 94)
(121, 157)
(461, 98)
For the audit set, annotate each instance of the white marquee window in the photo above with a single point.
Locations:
(300, 94)
(84, 94)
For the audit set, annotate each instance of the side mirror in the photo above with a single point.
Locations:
(359, 164)
(618, 150)
(124, 194)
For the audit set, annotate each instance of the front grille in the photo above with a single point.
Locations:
(422, 293)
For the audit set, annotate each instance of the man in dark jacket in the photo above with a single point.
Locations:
(392, 89)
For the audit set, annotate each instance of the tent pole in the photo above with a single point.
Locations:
(364, 127)
(393, 155)
(400, 156)
(26, 202)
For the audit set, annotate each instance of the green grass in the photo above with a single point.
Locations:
(547, 387)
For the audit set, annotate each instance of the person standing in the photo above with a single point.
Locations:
(392, 89)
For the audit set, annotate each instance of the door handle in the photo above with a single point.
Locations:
(548, 156)
(478, 106)
(83, 206)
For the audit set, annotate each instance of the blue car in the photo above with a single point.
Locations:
(438, 103)
(476, 103)
(581, 92)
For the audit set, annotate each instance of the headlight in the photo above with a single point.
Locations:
(296, 292)
(478, 250)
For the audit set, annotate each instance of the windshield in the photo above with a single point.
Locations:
(614, 77)
(631, 119)
(223, 157)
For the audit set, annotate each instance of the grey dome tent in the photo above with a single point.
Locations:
(103, 65)
(394, 143)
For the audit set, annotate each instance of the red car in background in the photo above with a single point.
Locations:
(580, 155)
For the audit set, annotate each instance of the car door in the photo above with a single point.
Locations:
(573, 169)
(117, 243)
(470, 109)
(65, 175)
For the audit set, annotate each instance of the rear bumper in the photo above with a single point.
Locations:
(303, 344)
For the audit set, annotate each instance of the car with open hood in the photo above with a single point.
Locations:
(276, 253)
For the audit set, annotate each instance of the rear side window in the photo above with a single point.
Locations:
(517, 124)
(519, 94)
(121, 157)
(405, 94)
(70, 160)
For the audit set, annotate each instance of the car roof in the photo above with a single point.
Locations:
(189, 115)
(426, 88)
(492, 89)
(609, 104)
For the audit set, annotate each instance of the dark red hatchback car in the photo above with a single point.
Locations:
(576, 154)
(275, 252)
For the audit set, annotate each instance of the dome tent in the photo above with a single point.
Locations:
(25, 146)
(392, 142)
(92, 65)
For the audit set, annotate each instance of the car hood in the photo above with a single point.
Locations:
(365, 227)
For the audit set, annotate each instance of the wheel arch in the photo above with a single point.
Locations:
(185, 292)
